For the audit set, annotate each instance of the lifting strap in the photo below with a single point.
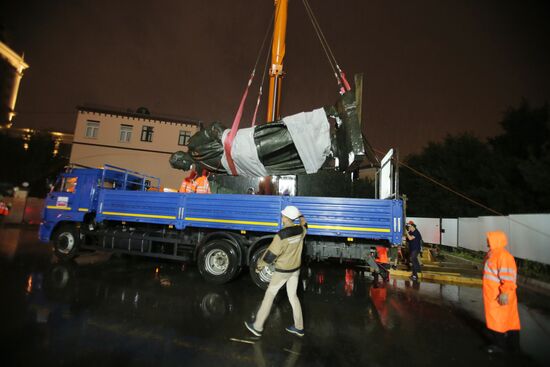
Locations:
(227, 144)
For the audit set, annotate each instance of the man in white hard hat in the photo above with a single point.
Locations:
(285, 252)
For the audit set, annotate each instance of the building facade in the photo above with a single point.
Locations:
(137, 141)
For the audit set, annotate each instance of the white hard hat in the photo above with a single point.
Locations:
(291, 212)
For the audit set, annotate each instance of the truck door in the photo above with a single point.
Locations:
(64, 194)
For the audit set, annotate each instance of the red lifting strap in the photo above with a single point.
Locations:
(345, 81)
(227, 145)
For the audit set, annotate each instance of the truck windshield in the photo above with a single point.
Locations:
(58, 185)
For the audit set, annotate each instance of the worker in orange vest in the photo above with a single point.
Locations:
(383, 264)
(203, 187)
(499, 294)
(188, 184)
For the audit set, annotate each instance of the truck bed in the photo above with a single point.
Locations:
(336, 217)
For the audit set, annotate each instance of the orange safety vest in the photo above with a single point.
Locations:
(499, 276)
(187, 186)
(382, 255)
(203, 187)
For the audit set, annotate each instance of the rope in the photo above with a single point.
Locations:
(451, 190)
(338, 73)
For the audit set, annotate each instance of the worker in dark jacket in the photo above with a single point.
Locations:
(414, 240)
(285, 253)
(383, 263)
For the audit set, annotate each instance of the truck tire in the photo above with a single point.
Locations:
(218, 261)
(262, 278)
(66, 241)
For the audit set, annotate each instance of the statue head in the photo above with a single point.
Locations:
(181, 160)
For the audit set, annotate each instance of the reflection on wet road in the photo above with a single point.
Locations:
(107, 311)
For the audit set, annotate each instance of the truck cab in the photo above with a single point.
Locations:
(74, 197)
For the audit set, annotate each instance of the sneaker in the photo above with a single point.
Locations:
(250, 327)
(293, 330)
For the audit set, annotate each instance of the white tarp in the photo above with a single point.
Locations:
(244, 154)
(310, 132)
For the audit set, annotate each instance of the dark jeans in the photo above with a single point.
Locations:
(415, 264)
(383, 270)
(508, 341)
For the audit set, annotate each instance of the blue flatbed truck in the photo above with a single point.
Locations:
(114, 209)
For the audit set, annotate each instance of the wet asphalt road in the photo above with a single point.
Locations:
(122, 311)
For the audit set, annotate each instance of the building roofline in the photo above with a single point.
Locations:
(162, 118)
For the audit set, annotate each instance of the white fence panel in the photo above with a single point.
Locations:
(530, 237)
(429, 228)
(528, 234)
(468, 233)
(489, 224)
(449, 232)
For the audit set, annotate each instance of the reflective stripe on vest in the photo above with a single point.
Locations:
(489, 270)
(203, 187)
(491, 277)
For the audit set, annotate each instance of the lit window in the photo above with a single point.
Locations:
(147, 133)
(125, 133)
(92, 128)
(69, 185)
(184, 137)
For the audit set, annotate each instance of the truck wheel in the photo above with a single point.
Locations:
(218, 261)
(66, 241)
(262, 278)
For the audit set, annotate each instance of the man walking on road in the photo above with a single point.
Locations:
(285, 253)
(414, 239)
(499, 294)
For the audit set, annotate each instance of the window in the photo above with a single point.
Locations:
(125, 133)
(184, 137)
(92, 128)
(147, 133)
(68, 184)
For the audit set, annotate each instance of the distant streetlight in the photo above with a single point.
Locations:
(19, 64)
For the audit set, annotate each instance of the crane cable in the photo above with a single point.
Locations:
(338, 73)
(260, 89)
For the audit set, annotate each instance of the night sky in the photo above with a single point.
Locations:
(431, 68)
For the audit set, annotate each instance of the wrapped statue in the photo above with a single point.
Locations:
(298, 144)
